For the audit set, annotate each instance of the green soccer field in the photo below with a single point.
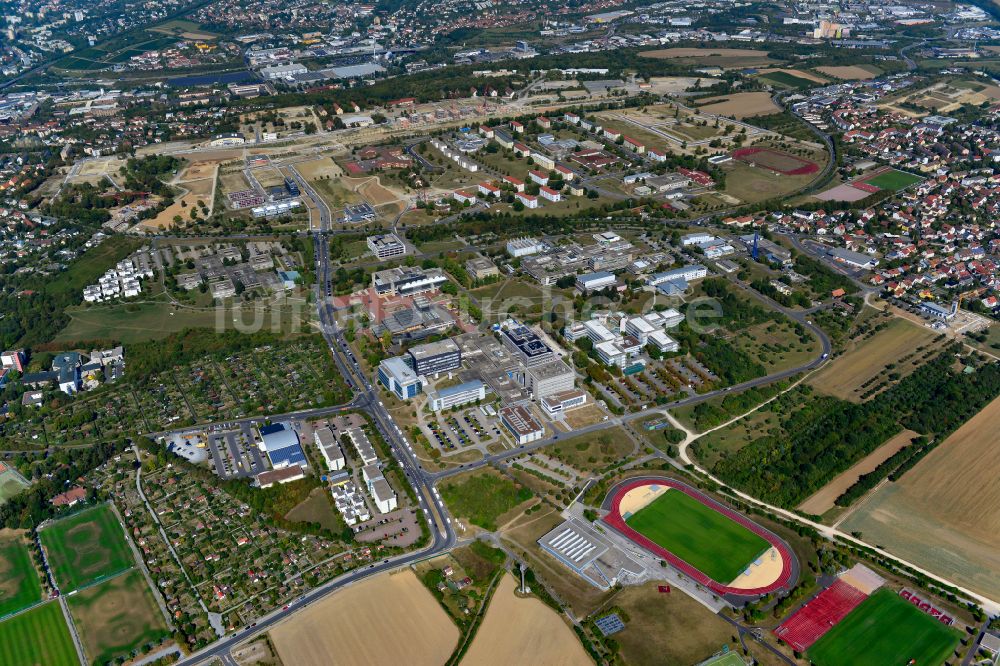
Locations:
(885, 630)
(86, 547)
(38, 636)
(893, 180)
(19, 583)
(704, 538)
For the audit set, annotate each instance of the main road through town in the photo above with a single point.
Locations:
(442, 534)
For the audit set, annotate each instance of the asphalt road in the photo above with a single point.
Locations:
(366, 399)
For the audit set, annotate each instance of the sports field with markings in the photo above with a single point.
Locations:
(885, 629)
(85, 548)
(38, 637)
(19, 583)
(704, 538)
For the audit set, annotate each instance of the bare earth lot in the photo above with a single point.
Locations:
(848, 72)
(942, 513)
(822, 501)
(739, 105)
(388, 619)
(844, 377)
(520, 630)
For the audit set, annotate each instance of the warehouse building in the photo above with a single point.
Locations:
(433, 358)
(687, 274)
(281, 444)
(596, 281)
(519, 421)
(454, 396)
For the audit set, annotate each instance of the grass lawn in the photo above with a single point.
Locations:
(19, 582)
(92, 264)
(117, 617)
(885, 629)
(593, 451)
(704, 538)
(482, 497)
(893, 180)
(37, 637)
(86, 547)
(11, 483)
(788, 80)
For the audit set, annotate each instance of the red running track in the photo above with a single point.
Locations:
(617, 521)
(806, 168)
(819, 616)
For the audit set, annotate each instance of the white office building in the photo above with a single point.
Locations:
(453, 396)
(386, 246)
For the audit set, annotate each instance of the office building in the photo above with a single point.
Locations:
(435, 357)
(548, 378)
(407, 281)
(563, 401)
(397, 376)
(522, 247)
(525, 344)
(386, 246)
(685, 274)
(454, 396)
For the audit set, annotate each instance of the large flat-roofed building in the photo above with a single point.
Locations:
(407, 281)
(386, 246)
(591, 555)
(563, 401)
(598, 332)
(397, 376)
(453, 396)
(435, 357)
(525, 344)
(687, 274)
(611, 354)
(595, 281)
(282, 446)
(519, 421)
(852, 258)
(330, 449)
(481, 268)
(522, 247)
(379, 488)
(548, 378)
(362, 445)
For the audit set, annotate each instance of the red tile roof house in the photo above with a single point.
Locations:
(528, 200)
(539, 177)
(517, 183)
(550, 194)
(636, 146)
(487, 190)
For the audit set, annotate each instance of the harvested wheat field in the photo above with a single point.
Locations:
(801, 73)
(377, 193)
(520, 630)
(850, 72)
(324, 167)
(387, 619)
(860, 369)
(942, 514)
(739, 105)
(822, 500)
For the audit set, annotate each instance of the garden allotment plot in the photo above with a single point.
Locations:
(86, 547)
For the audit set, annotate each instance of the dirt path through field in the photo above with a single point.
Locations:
(822, 500)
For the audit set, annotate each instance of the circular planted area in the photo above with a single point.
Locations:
(707, 541)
